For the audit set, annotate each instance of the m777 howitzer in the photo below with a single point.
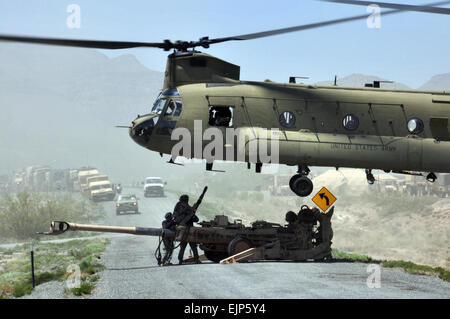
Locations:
(306, 237)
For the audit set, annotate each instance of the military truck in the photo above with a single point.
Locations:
(18, 181)
(441, 187)
(34, 177)
(388, 184)
(83, 175)
(96, 178)
(101, 191)
(154, 186)
(58, 180)
(73, 183)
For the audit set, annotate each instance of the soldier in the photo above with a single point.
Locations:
(184, 215)
(291, 218)
(308, 215)
(168, 223)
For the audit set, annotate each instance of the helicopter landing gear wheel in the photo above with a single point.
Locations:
(301, 185)
(369, 176)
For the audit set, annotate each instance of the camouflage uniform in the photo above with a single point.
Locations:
(168, 223)
(181, 211)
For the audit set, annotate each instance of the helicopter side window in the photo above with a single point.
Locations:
(221, 116)
(158, 106)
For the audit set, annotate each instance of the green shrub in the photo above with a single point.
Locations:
(85, 289)
(338, 254)
(25, 213)
(90, 265)
(413, 268)
(41, 278)
(22, 289)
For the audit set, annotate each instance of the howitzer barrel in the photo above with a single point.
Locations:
(59, 227)
(190, 234)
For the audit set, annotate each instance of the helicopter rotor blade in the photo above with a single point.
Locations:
(205, 42)
(269, 33)
(95, 44)
(406, 7)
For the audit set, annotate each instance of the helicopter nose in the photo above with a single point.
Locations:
(142, 128)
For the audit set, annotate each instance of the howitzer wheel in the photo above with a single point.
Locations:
(215, 256)
(238, 244)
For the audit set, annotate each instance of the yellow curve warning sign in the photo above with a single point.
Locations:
(324, 199)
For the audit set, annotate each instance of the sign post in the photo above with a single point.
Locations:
(32, 264)
(324, 199)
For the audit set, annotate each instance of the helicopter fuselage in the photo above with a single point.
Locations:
(318, 125)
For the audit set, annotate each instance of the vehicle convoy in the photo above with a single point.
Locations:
(46, 179)
(101, 191)
(307, 236)
(127, 203)
(154, 186)
(415, 186)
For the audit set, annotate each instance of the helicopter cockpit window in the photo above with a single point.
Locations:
(174, 108)
(221, 116)
(178, 109)
(170, 108)
(171, 92)
(158, 106)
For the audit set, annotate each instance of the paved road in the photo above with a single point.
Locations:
(152, 210)
(132, 272)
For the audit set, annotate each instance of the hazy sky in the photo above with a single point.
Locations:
(409, 47)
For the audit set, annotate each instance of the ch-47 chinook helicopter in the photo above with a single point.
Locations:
(403, 131)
